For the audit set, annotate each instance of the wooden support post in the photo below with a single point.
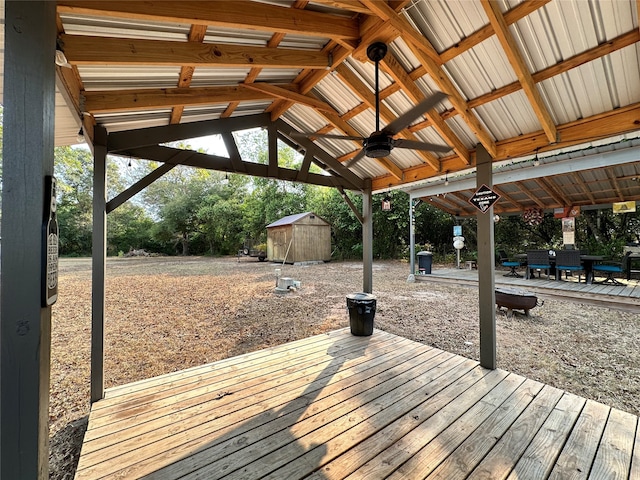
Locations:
(25, 326)
(367, 240)
(486, 265)
(99, 261)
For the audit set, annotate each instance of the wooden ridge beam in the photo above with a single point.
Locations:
(236, 14)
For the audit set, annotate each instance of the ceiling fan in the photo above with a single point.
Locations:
(381, 142)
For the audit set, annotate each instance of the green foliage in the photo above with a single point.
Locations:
(190, 211)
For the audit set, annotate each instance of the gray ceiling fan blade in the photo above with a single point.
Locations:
(322, 135)
(404, 120)
(432, 147)
(354, 160)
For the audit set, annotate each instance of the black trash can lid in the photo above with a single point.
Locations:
(424, 253)
(361, 296)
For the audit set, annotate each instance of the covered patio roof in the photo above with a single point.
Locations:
(521, 78)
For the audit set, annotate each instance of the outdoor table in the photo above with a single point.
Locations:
(587, 263)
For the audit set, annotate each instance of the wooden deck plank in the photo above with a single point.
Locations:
(149, 392)
(539, 458)
(455, 406)
(471, 452)
(576, 458)
(429, 446)
(207, 390)
(613, 460)
(204, 419)
(307, 418)
(294, 444)
(359, 407)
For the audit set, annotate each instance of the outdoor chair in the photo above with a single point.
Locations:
(505, 261)
(538, 260)
(610, 268)
(568, 261)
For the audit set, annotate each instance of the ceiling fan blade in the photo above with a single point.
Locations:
(404, 120)
(432, 147)
(322, 135)
(354, 160)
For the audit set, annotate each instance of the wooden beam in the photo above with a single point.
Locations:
(140, 185)
(365, 94)
(577, 178)
(284, 94)
(104, 101)
(214, 162)
(92, 50)
(351, 205)
(552, 191)
(523, 188)
(399, 74)
(594, 53)
(349, 5)
(614, 181)
(196, 34)
(506, 197)
(519, 66)
(98, 263)
(236, 14)
(119, 141)
(616, 122)
(512, 16)
(437, 74)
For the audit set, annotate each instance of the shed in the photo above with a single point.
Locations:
(304, 237)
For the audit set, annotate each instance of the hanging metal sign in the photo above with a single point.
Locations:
(484, 198)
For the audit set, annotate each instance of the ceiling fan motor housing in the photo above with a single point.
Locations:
(377, 145)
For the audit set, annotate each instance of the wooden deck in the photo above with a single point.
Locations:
(339, 406)
(625, 297)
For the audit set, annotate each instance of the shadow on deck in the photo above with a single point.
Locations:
(336, 406)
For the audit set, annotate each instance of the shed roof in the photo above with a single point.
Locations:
(291, 219)
(521, 77)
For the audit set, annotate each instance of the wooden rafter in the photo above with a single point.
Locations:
(606, 48)
(363, 92)
(507, 197)
(525, 190)
(577, 178)
(614, 181)
(196, 34)
(551, 190)
(236, 14)
(518, 64)
(398, 73)
(436, 72)
(598, 126)
(285, 94)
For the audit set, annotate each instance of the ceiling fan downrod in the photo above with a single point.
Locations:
(376, 52)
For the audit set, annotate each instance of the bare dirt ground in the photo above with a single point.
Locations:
(168, 314)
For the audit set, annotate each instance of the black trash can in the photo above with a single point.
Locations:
(362, 309)
(424, 262)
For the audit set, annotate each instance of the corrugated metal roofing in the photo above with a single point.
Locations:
(602, 82)
(289, 219)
